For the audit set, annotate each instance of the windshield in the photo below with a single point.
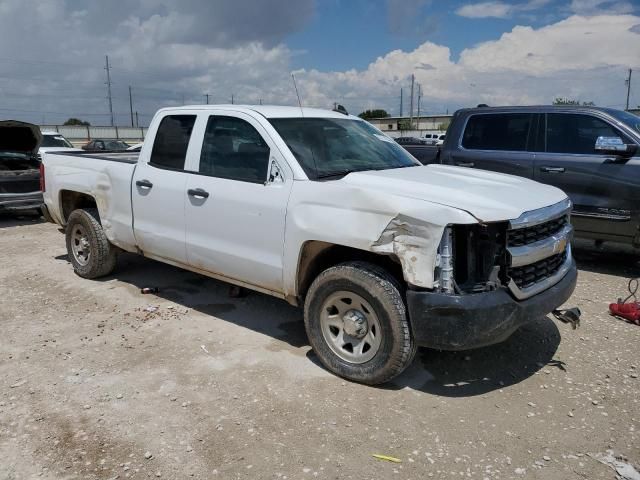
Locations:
(327, 147)
(55, 141)
(627, 118)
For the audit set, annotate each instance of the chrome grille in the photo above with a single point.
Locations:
(538, 249)
(528, 275)
(527, 235)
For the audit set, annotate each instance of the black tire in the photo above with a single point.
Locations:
(383, 293)
(100, 260)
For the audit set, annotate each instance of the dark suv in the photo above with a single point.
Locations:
(591, 153)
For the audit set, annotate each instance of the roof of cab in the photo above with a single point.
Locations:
(268, 111)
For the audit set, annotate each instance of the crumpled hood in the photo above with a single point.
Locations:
(19, 137)
(488, 196)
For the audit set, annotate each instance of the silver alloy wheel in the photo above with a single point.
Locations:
(350, 327)
(80, 246)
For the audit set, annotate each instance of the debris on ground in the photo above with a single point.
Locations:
(146, 290)
(625, 470)
(627, 311)
(386, 458)
(570, 316)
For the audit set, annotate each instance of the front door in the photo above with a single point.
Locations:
(605, 190)
(158, 191)
(500, 142)
(236, 203)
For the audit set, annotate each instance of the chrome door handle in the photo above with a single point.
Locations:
(552, 169)
(144, 183)
(198, 193)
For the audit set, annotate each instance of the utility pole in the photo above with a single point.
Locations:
(232, 99)
(628, 82)
(401, 98)
(413, 79)
(419, 97)
(107, 68)
(137, 123)
(131, 105)
(206, 95)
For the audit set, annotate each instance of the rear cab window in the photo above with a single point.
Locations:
(171, 142)
(498, 131)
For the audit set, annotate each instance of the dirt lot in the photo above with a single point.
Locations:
(100, 381)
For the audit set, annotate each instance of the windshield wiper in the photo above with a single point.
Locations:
(339, 173)
(347, 171)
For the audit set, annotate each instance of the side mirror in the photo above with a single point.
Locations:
(275, 174)
(615, 146)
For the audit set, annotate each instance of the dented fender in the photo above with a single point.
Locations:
(414, 244)
(337, 213)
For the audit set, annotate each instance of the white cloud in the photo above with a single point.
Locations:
(485, 10)
(601, 7)
(58, 67)
(498, 9)
(580, 57)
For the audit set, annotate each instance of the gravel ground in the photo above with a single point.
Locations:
(100, 381)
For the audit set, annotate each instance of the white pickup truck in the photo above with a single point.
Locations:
(323, 210)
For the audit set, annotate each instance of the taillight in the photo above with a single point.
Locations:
(42, 185)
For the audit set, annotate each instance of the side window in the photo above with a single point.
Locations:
(576, 133)
(171, 142)
(233, 149)
(498, 131)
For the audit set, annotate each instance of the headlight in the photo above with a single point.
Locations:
(444, 263)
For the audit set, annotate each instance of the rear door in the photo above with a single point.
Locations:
(605, 190)
(500, 142)
(236, 202)
(158, 190)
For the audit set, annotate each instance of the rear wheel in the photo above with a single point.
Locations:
(88, 248)
(357, 324)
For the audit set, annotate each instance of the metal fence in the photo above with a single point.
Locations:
(83, 134)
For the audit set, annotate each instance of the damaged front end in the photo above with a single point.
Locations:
(471, 258)
(489, 279)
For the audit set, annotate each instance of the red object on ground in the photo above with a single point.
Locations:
(628, 311)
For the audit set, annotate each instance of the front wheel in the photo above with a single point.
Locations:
(88, 248)
(357, 323)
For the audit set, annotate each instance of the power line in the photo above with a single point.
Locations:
(86, 114)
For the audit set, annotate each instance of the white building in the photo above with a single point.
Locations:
(423, 123)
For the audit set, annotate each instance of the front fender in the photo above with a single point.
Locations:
(341, 214)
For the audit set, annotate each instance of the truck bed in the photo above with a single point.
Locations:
(102, 176)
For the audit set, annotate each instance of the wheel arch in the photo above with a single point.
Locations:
(71, 200)
(316, 256)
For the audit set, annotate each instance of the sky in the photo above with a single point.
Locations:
(359, 53)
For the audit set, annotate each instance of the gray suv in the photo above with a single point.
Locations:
(591, 153)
